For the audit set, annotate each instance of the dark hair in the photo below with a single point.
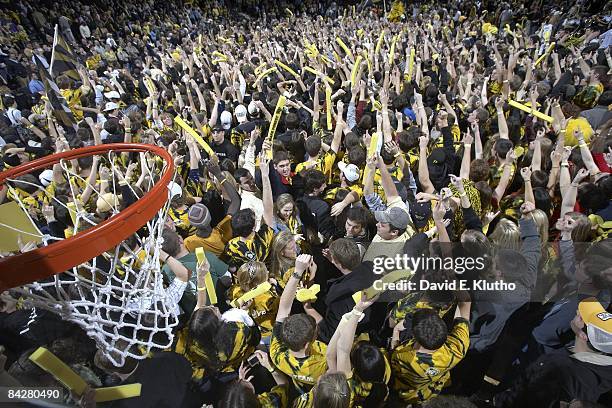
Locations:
(502, 147)
(449, 401)
(292, 120)
(409, 138)
(351, 140)
(313, 179)
(279, 156)
(511, 263)
(171, 243)
(592, 198)
(539, 178)
(605, 98)
(298, 330)
(357, 156)
(345, 252)
(479, 170)
(597, 260)
(241, 172)
(313, 145)
(203, 326)
(542, 199)
(429, 329)
(243, 222)
(358, 215)
(485, 192)
(239, 395)
(369, 365)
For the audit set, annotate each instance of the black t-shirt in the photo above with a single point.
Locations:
(226, 150)
(164, 378)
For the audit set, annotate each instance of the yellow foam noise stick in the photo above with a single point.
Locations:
(208, 282)
(149, 85)
(119, 392)
(258, 70)
(275, 119)
(252, 294)
(543, 56)
(342, 45)
(372, 149)
(528, 109)
(286, 68)
(219, 55)
(179, 121)
(71, 380)
(411, 63)
(58, 369)
(355, 69)
(380, 41)
(72, 210)
(392, 50)
(308, 294)
(325, 59)
(388, 278)
(317, 73)
(218, 60)
(264, 74)
(289, 11)
(328, 107)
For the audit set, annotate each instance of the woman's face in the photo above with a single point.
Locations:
(290, 250)
(286, 211)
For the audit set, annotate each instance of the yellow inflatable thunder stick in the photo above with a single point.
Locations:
(71, 380)
(179, 121)
(543, 56)
(252, 294)
(278, 111)
(528, 109)
(379, 287)
(208, 282)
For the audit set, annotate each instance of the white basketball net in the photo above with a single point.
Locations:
(126, 303)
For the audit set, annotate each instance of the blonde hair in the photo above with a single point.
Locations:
(280, 263)
(583, 231)
(251, 274)
(506, 235)
(541, 221)
(281, 201)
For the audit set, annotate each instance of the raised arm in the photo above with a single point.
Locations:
(526, 175)
(501, 119)
(569, 198)
(268, 203)
(467, 156)
(426, 184)
(302, 262)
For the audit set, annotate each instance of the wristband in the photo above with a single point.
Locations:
(467, 145)
(564, 164)
(527, 181)
(581, 145)
(357, 314)
(271, 369)
(397, 155)
(128, 130)
(296, 275)
(463, 194)
(202, 289)
(222, 181)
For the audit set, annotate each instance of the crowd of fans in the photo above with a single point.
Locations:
(399, 134)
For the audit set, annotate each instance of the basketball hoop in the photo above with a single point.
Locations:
(94, 279)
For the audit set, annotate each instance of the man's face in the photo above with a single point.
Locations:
(283, 168)
(218, 136)
(353, 229)
(383, 229)
(247, 183)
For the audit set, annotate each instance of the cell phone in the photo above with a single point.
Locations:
(252, 361)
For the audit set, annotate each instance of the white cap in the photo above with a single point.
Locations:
(112, 95)
(110, 106)
(253, 109)
(350, 171)
(241, 113)
(46, 177)
(226, 120)
(174, 190)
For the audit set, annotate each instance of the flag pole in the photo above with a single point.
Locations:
(53, 52)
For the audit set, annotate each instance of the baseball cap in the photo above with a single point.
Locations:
(350, 171)
(395, 216)
(46, 177)
(226, 119)
(599, 324)
(199, 216)
(174, 190)
(110, 106)
(410, 114)
(241, 113)
(112, 95)
(253, 109)
(421, 213)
